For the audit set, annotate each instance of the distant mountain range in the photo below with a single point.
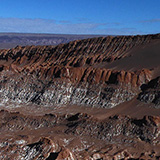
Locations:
(10, 40)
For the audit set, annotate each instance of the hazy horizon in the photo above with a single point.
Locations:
(99, 17)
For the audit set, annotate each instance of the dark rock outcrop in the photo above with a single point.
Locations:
(151, 92)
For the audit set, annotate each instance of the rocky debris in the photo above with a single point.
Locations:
(146, 129)
(45, 148)
(121, 130)
(66, 154)
(16, 121)
(105, 156)
(151, 92)
(39, 150)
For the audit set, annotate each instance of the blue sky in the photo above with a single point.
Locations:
(114, 17)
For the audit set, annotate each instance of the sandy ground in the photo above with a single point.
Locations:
(133, 108)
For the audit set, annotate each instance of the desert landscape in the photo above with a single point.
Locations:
(80, 80)
(93, 98)
(11, 40)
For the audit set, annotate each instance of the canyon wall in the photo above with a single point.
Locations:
(73, 73)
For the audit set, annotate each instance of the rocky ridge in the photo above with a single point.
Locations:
(78, 74)
(71, 73)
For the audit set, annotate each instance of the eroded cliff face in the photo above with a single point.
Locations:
(73, 73)
(90, 76)
(151, 92)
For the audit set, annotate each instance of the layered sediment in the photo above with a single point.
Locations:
(61, 74)
(69, 97)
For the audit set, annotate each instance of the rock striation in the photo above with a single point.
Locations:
(73, 73)
(53, 88)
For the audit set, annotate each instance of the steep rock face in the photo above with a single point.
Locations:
(72, 73)
(22, 88)
(151, 92)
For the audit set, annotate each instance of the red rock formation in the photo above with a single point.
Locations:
(78, 73)
(76, 60)
(81, 62)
